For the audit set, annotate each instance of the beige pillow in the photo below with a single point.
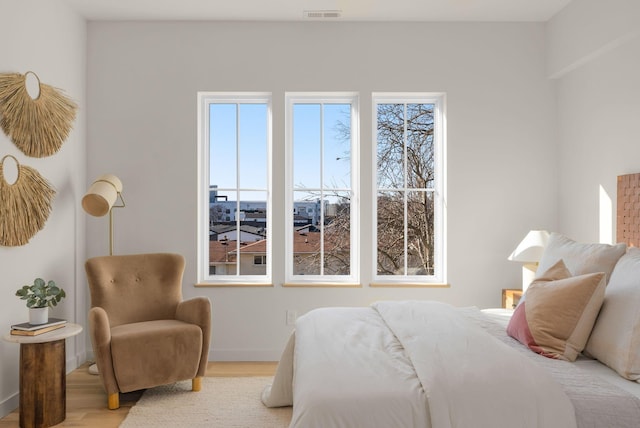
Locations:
(615, 339)
(580, 258)
(559, 312)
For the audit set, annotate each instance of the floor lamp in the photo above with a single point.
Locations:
(99, 200)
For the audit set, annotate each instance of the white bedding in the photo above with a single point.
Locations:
(468, 375)
(588, 365)
(371, 367)
(601, 398)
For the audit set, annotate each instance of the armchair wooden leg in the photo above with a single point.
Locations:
(196, 384)
(114, 401)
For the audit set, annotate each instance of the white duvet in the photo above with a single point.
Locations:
(410, 364)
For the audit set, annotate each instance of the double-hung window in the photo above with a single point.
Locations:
(321, 198)
(409, 228)
(321, 188)
(234, 221)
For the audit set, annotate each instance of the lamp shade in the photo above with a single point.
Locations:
(102, 195)
(531, 248)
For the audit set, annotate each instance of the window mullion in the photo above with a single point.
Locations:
(321, 189)
(406, 192)
(238, 232)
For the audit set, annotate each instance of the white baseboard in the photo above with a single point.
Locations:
(9, 405)
(228, 355)
(74, 362)
(245, 354)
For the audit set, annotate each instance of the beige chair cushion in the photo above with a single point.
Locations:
(151, 353)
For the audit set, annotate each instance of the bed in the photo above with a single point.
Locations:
(428, 364)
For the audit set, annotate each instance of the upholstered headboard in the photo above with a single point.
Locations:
(628, 210)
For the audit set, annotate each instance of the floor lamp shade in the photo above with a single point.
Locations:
(100, 199)
(102, 194)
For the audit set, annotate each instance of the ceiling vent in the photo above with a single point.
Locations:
(322, 14)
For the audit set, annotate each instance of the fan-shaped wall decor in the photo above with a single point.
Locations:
(37, 126)
(24, 205)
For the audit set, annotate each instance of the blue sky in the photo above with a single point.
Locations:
(252, 147)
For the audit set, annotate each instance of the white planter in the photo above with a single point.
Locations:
(38, 315)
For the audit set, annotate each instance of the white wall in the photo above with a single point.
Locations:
(598, 109)
(142, 85)
(49, 39)
(585, 29)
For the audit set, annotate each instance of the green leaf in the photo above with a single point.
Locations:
(41, 294)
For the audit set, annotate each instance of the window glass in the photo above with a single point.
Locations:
(409, 210)
(236, 139)
(321, 145)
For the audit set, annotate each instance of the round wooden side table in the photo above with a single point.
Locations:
(43, 399)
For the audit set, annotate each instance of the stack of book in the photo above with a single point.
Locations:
(26, 329)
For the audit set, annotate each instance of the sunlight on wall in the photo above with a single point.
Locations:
(606, 217)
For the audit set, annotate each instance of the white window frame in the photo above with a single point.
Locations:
(351, 98)
(440, 230)
(205, 99)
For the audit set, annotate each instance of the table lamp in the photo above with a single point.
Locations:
(529, 252)
(100, 199)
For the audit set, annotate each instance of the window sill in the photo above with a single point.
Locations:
(322, 285)
(231, 284)
(410, 284)
(326, 285)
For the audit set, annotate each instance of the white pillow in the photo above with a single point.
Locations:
(580, 259)
(615, 339)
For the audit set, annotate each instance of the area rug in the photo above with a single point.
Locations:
(223, 402)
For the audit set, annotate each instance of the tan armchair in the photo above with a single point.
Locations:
(143, 333)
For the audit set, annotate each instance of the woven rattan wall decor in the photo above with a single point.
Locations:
(24, 205)
(628, 210)
(39, 126)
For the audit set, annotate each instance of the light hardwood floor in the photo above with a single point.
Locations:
(87, 401)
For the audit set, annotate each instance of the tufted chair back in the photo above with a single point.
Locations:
(136, 288)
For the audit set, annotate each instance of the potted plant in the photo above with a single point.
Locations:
(40, 296)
